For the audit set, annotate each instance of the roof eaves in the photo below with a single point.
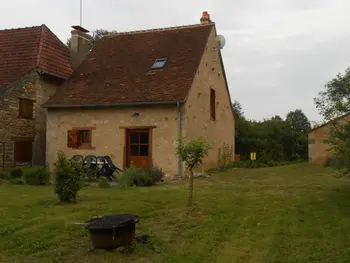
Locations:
(121, 104)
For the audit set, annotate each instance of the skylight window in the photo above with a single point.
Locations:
(159, 63)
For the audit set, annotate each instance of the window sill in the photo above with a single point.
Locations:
(85, 147)
(26, 118)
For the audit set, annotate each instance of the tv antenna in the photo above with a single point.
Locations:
(81, 12)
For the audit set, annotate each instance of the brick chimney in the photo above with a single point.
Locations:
(79, 45)
(205, 19)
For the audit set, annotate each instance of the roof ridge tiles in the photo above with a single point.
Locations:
(161, 29)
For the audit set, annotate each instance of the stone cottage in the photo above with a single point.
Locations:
(33, 63)
(137, 92)
(319, 151)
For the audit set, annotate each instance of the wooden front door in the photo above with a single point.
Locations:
(138, 148)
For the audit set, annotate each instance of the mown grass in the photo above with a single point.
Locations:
(283, 214)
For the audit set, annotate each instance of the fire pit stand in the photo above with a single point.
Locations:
(111, 232)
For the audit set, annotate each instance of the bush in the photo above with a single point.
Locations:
(156, 174)
(104, 183)
(68, 178)
(16, 173)
(4, 175)
(36, 175)
(17, 181)
(140, 177)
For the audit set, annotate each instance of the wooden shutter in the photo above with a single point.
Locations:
(26, 108)
(23, 151)
(72, 139)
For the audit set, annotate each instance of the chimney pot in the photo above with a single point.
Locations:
(205, 19)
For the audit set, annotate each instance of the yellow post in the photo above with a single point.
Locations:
(253, 156)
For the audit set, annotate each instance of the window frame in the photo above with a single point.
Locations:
(158, 60)
(22, 108)
(212, 104)
(75, 138)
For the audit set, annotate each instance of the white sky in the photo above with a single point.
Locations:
(278, 53)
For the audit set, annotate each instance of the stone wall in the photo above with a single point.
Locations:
(196, 118)
(46, 87)
(12, 128)
(108, 135)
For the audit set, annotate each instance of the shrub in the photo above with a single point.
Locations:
(156, 174)
(4, 175)
(140, 177)
(104, 183)
(36, 175)
(68, 178)
(17, 181)
(16, 173)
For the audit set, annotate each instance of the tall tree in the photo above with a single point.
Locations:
(237, 109)
(298, 121)
(332, 102)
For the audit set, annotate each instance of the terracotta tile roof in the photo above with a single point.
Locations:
(118, 70)
(25, 49)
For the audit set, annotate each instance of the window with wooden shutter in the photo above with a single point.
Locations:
(26, 108)
(212, 104)
(23, 151)
(72, 139)
(311, 141)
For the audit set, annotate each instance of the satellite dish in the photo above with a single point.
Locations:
(221, 41)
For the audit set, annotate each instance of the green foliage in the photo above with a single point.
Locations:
(237, 109)
(298, 122)
(193, 152)
(104, 183)
(17, 181)
(273, 139)
(97, 36)
(252, 164)
(4, 175)
(16, 173)
(339, 139)
(68, 177)
(140, 177)
(36, 175)
(333, 102)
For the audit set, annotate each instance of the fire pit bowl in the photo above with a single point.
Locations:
(111, 232)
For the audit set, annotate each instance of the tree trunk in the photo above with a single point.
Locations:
(190, 188)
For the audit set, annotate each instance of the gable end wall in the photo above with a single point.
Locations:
(196, 114)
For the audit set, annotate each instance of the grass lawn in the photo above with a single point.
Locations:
(283, 214)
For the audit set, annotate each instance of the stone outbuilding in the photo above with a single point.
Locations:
(320, 151)
(137, 92)
(33, 64)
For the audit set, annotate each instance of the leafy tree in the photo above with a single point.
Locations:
(299, 122)
(97, 36)
(333, 102)
(237, 109)
(192, 154)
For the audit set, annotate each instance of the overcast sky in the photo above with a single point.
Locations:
(278, 53)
